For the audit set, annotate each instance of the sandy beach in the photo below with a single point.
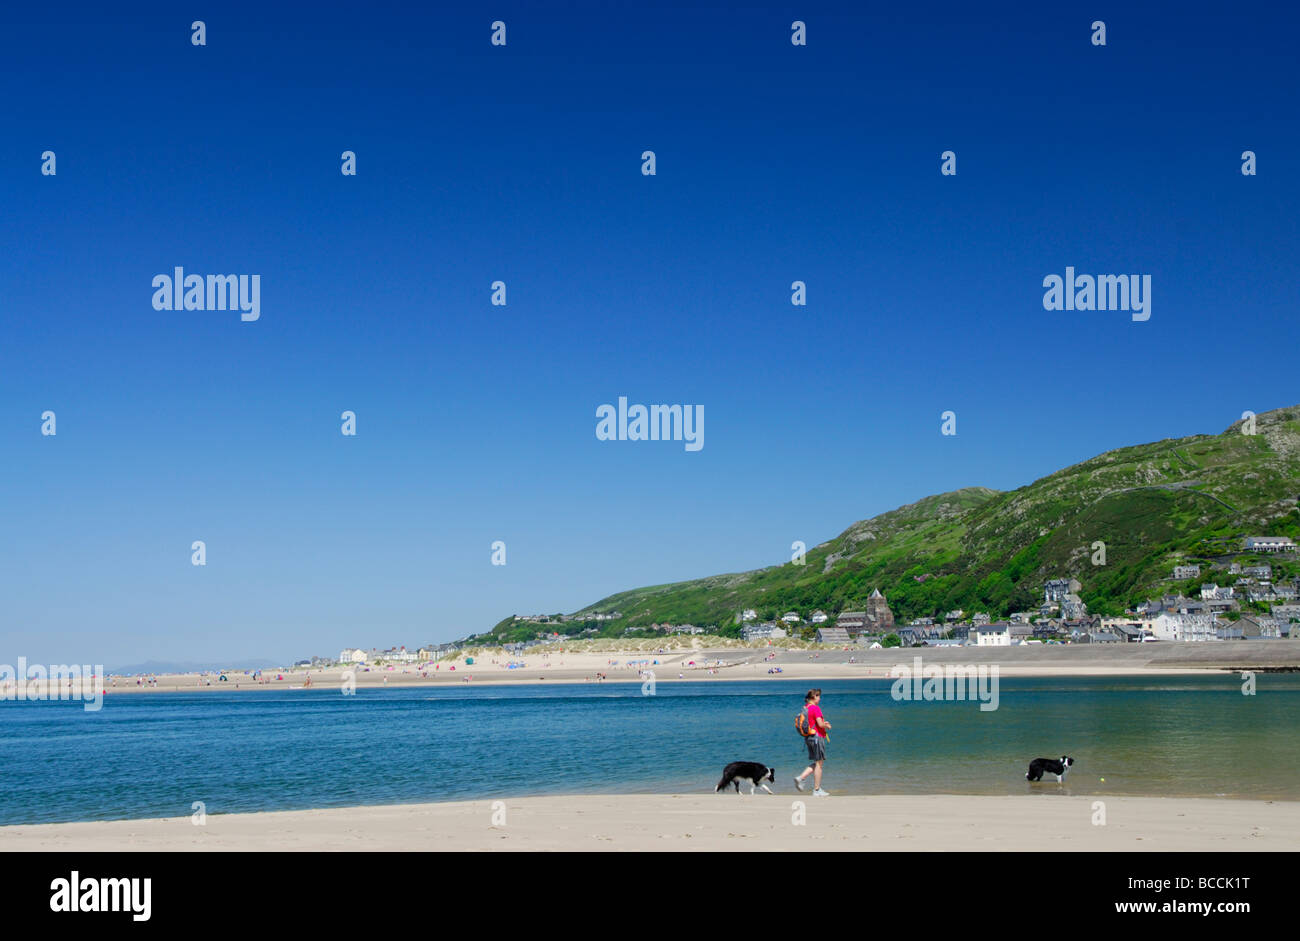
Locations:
(1039, 823)
(720, 664)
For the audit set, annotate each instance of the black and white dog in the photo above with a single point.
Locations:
(1051, 765)
(750, 771)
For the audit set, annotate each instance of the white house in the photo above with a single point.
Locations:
(790, 617)
(765, 631)
(354, 655)
(1184, 572)
(749, 614)
(1167, 626)
(1185, 627)
(818, 617)
(993, 635)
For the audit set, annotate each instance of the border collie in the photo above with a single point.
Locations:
(750, 771)
(1050, 765)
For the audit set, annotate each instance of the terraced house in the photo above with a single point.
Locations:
(1269, 544)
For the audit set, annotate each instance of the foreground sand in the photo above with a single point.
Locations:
(1039, 823)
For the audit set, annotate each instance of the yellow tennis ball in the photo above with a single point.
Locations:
(1103, 780)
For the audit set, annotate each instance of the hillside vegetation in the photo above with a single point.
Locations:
(983, 550)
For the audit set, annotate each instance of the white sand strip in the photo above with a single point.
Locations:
(1039, 824)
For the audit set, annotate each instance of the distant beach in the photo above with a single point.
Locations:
(714, 664)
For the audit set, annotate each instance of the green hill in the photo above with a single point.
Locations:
(983, 550)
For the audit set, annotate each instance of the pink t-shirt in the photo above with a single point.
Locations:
(815, 713)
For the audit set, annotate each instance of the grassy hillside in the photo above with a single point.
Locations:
(984, 550)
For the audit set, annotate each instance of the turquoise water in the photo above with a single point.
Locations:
(152, 755)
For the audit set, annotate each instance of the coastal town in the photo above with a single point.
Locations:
(1238, 599)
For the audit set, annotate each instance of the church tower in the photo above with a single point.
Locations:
(879, 617)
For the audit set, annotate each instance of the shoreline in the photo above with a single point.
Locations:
(710, 822)
(730, 664)
(188, 683)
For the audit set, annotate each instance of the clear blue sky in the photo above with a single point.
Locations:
(522, 163)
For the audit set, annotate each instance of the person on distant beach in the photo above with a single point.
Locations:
(816, 743)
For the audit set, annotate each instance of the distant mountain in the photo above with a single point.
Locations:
(1152, 505)
(177, 666)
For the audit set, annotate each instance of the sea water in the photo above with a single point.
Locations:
(155, 754)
